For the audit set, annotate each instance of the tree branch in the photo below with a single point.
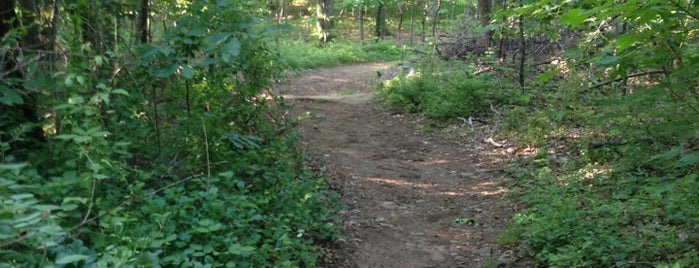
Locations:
(627, 77)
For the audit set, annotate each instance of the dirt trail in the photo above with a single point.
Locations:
(414, 199)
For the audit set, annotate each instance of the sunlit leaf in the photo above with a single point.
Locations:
(68, 259)
(575, 17)
(545, 77)
(187, 72)
(626, 41)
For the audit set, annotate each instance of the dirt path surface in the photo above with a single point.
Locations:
(413, 199)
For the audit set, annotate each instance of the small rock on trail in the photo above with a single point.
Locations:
(405, 190)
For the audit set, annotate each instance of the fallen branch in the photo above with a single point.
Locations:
(492, 142)
(627, 77)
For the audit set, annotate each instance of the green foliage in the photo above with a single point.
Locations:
(300, 55)
(439, 90)
(613, 178)
(627, 197)
(163, 154)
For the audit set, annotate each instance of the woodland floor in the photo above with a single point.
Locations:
(414, 198)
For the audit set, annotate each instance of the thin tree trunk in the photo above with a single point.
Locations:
(380, 28)
(435, 19)
(523, 51)
(143, 26)
(412, 29)
(400, 22)
(485, 7)
(501, 53)
(361, 24)
(324, 23)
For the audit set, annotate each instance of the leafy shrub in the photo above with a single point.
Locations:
(176, 161)
(299, 55)
(439, 91)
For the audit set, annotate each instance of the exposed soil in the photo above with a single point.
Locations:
(414, 199)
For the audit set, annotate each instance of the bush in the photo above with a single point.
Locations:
(439, 91)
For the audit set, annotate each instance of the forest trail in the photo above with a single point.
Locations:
(413, 199)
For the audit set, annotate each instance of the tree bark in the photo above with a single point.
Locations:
(380, 28)
(325, 22)
(523, 51)
(143, 26)
(485, 7)
(433, 15)
(361, 23)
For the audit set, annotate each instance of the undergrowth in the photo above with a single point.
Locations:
(613, 180)
(440, 90)
(301, 55)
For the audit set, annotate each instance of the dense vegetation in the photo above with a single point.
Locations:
(604, 96)
(146, 133)
(129, 143)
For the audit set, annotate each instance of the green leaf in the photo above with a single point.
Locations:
(575, 17)
(10, 97)
(167, 71)
(606, 60)
(149, 52)
(71, 259)
(626, 41)
(688, 160)
(232, 48)
(76, 100)
(241, 250)
(187, 72)
(216, 39)
(545, 77)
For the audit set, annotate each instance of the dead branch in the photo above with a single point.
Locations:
(627, 77)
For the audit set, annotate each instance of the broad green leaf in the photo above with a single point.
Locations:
(187, 72)
(65, 137)
(238, 249)
(667, 155)
(148, 52)
(21, 196)
(28, 220)
(216, 39)
(167, 71)
(82, 139)
(120, 91)
(606, 60)
(10, 97)
(198, 32)
(76, 100)
(688, 160)
(575, 17)
(626, 41)
(231, 49)
(68, 259)
(14, 166)
(545, 77)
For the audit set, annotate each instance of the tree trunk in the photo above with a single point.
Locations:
(361, 24)
(143, 26)
(433, 15)
(380, 29)
(485, 7)
(523, 51)
(325, 23)
(400, 22)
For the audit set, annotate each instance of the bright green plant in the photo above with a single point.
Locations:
(163, 154)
